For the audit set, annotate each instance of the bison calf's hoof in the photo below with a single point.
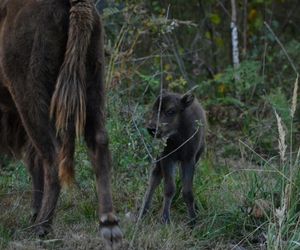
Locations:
(42, 230)
(192, 223)
(165, 219)
(110, 231)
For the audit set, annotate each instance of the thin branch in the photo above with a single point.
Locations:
(282, 47)
(152, 159)
(180, 146)
(245, 24)
(142, 138)
(160, 97)
(225, 10)
(172, 42)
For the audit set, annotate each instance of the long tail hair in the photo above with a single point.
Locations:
(68, 103)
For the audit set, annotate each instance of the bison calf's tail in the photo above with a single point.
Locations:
(68, 103)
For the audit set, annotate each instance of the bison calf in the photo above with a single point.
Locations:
(181, 120)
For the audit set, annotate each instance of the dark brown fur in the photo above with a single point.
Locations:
(180, 119)
(52, 62)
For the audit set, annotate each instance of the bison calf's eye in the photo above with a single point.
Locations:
(171, 112)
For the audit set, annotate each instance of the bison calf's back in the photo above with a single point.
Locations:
(181, 120)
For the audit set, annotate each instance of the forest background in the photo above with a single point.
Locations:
(247, 182)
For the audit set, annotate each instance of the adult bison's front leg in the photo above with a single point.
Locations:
(97, 141)
(42, 136)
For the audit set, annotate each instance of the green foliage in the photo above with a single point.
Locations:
(249, 78)
(280, 104)
(5, 236)
(13, 176)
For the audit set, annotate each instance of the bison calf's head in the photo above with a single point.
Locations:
(166, 113)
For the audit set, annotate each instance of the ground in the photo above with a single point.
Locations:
(229, 183)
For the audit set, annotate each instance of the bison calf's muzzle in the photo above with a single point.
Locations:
(181, 120)
(151, 130)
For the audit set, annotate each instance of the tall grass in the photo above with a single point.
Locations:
(283, 229)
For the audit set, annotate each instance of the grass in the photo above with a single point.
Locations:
(227, 191)
(246, 200)
(246, 185)
(221, 220)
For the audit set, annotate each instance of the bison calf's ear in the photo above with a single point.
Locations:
(187, 100)
(164, 92)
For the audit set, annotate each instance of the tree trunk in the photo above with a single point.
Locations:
(234, 38)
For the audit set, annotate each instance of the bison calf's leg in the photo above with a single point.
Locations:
(187, 189)
(155, 179)
(168, 171)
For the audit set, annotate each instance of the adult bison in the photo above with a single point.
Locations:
(52, 90)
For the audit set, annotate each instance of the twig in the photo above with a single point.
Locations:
(247, 236)
(266, 161)
(178, 58)
(34, 225)
(191, 90)
(142, 138)
(180, 146)
(160, 97)
(15, 206)
(225, 10)
(245, 24)
(152, 159)
(282, 47)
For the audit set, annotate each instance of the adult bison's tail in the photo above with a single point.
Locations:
(68, 103)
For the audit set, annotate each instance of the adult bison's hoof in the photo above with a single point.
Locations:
(110, 231)
(33, 217)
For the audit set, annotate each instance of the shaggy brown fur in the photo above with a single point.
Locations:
(69, 95)
(52, 63)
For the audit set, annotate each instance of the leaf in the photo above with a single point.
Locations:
(107, 12)
(219, 41)
(207, 35)
(252, 15)
(218, 76)
(222, 88)
(260, 208)
(169, 77)
(215, 19)
(167, 67)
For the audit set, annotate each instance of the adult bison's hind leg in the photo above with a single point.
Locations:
(35, 168)
(97, 141)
